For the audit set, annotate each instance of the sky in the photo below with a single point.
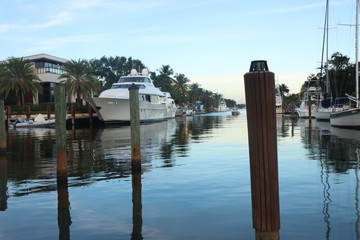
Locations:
(212, 42)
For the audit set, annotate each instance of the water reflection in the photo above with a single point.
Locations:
(337, 151)
(99, 154)
(3, 181)
(64, 218)
(136, 201)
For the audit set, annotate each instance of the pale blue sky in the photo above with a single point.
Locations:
(212, 42)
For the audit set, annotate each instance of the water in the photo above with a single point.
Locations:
(195, 182)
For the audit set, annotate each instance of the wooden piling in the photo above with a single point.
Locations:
(73, 111)
(2, 125)
(48, 111)
(8, 112)
(28, 112)
(60, 128)
(135, 123)
(90, 110)
(261, 118)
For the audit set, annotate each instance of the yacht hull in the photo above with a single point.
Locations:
(118, 110)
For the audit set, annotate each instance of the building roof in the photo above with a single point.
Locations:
(46, 57)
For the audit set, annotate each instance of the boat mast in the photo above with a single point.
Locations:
(327, 46)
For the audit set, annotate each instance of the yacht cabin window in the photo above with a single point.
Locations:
(135, 79)
(125, 86)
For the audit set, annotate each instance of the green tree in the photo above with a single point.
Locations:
(195, 92)
(180, 88)
(164, 80)
(341, 75)
(110, 69)
(18, 76)
(283, 89)
(79, 79)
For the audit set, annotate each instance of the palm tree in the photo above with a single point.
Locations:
(283, 89)
(79, 79)
(180, 87)
(18, 76)
(164, 79)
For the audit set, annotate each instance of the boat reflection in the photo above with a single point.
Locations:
(97, 154)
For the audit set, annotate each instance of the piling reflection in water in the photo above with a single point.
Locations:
(64, 218)
(136, 201)
(3, 181)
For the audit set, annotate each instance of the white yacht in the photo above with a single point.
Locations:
(113, 105)
(310, 97)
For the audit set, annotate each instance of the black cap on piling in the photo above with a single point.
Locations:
(259, 66)
(133, 87)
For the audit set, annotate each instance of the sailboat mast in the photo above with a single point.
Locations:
(356, 53)
(327, 46)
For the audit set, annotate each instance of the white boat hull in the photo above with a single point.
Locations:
(304, 113)
(118, 110)
(34, 124)
(347, 118)
(323, 114)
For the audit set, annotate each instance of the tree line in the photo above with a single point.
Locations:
(85, 78)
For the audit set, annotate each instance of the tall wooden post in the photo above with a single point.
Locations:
(48, 111)
(261, 118)
(2, 125)
(64, 219)
(135, 123)
(28, 112)
(60, 128)
(90, 110)
(8, 113)
(73, 111)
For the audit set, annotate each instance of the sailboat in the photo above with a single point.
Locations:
(323, 111)
(350, 118)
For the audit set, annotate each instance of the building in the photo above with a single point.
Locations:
(48, 68)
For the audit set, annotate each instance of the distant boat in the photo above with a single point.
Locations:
(38, 122)
(113, 105)
(222, 105)
(235, 112)
(311, 96)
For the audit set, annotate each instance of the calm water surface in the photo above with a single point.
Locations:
(195, 182)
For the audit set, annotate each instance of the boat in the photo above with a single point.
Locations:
(349, 116)
(310, 97)
(235, 112)
(113, 105)
(222, 105)
(38, 122)
(278, 100)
